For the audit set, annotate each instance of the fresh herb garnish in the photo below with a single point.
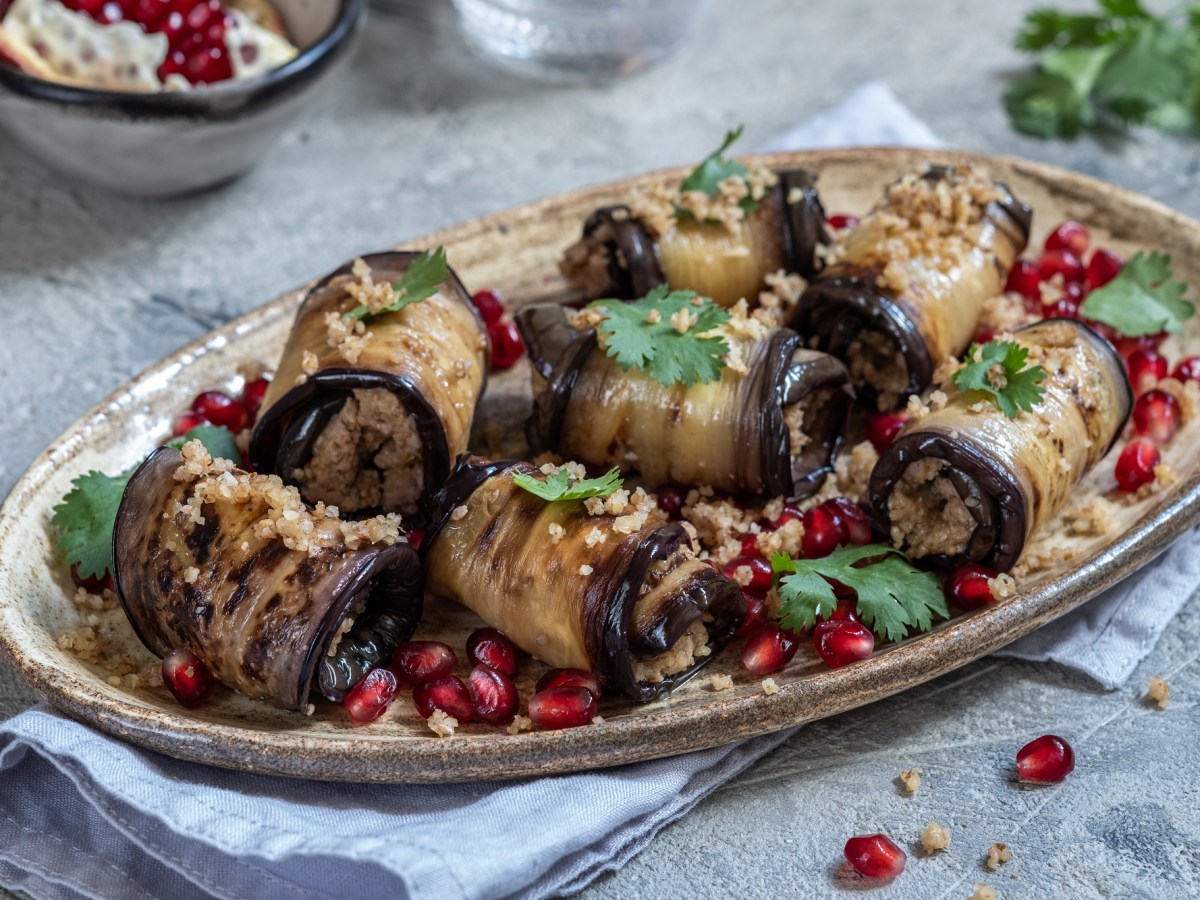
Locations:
(1121, 64)
(1144, 298)
(560, 487)
(997, 370)
(714, 169)
(217, 440)
(893, 595)
(420, 281)
(646, 334)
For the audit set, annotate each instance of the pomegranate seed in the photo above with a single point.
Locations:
(1060, 262)
(760, 574)
(253, 393)
(562, 707)
(184, 424)
(568, 678)
(1127, 345)
(218, 408)
(490, 647)
(1188, 369)
(768, 650)
(95, 584)
(187, 677)
(448, 694)
(875, 855)
(419, 661)
(1045, 760)
(369, 699)
(852, 522)
(1146, 369)
(968, 587)
(671, 499)
(1061, 309)
(843, 220)
(1023, 279)
(415, 536)
(1156, 415)
(840, 642)
(821, 533)
(493, 696)
(1136, 464)
(789, 513)
(490, 306)
(1070, 235)
(749, 545)
(756, 614)
(1102, 268)
(507, 346)
(985, 335)
(845, 611)
(882, 429)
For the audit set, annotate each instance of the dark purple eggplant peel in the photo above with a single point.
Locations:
(261, 616)
(378, 433)
(735, 435)
(893, 339)
(621, 257)
(635, 608)
(967, 484)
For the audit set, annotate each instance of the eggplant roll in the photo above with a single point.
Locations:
(624, 256)
(620, 595)
(372, 421)
(966, 483)
(270, 595)
(907, 286)
(771, 425)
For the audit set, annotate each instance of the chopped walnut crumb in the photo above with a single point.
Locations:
(441, 724)
(595, 537)
(682, 320)
(458, 513)
(769, 686)
(916, 407)
(598, 720)
(191, 574)
(911, 779)
(519, 724)
(997, 853)
(556, 532)
(585, 570)
(309, 363)
(720, 682)
(984, 892)
(653, 317)
(309, 709)
(1002, 586)
(935, 837)
(1159, 692)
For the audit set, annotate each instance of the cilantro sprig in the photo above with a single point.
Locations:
(714, 169)
(1119, 65)
(420, 281)
(1144, 298)
(559, 486)
(643, 335)
(894, 596)
(997, 371)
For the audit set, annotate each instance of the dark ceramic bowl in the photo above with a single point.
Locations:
(160, 144)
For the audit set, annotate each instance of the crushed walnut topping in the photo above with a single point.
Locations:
(586, 570)
(996, 855)
(366, 291)
(911, 779)
(935, 837)
(557, 532)
(769, 686)
(720, 682)
(1002, 586)
(442, 724)
(519, 724)
(348, 337)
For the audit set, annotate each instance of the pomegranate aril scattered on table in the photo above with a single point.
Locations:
(1147, 368)
(218, 408)
(760, 574)
(369, 699)
(563, 706)
(1023, 279)
(492, 648)
(1102, 268)
(875, 855)
(1045, 760)
(1136, 464)
(569, 678)
(843, 220)
(493, 696)
(187, 677)
(768, 650)
(253, 393)
(447, 693)
(1060, 262)
(1188, 369)
(507, 346)
(882, 429)
(840, 642)
(967, 587)
(1071, 236)
(490, 306)
(416, 662)
(1156, 415)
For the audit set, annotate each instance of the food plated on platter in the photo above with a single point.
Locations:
(669, 507)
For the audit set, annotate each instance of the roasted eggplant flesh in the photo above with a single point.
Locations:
(967, 483)
(908, 285)
(769, 425)
(372, 421)
(617, 592)
(204, 562)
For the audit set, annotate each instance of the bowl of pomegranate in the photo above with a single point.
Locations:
(163, 97)
(638, 470)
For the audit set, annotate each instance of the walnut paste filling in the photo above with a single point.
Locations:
(928, 516)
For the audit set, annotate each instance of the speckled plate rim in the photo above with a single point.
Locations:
(621, 740)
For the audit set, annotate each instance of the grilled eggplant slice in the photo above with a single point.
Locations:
(223, 564)
(909, 282)
(966, 483)
(374, 427)
(772, 426)
(623, 256)
(620, 595)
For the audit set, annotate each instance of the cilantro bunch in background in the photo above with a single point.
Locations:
(1120, 65)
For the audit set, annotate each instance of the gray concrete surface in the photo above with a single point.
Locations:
(416, 134)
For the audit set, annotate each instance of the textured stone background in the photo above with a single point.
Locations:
(414, 135)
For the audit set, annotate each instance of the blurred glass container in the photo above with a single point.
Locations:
(578, 39)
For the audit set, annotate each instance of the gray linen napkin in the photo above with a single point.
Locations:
(85, 816)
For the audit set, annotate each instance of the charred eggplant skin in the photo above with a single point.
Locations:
(750, 429)
(295, 411)
(261, 616)
(1011, 470)
(507, 562)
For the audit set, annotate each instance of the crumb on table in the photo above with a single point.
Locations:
(984, 892)
(720, 682)
(441, 724)
(997, 853)
(1159, 692)
(935, 837)
(911, 779)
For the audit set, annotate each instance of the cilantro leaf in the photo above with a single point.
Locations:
(893, 595)
(559, 486)
(217, 440)
(1144, 298)
(83, 521)
(1013, 387)
(1048, 106)
(1144, 73)
(714, 169)
(641, 335)
(420, 281)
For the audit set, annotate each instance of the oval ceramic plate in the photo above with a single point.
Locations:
(516, 252)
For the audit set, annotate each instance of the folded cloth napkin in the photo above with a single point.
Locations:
(85, 816)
